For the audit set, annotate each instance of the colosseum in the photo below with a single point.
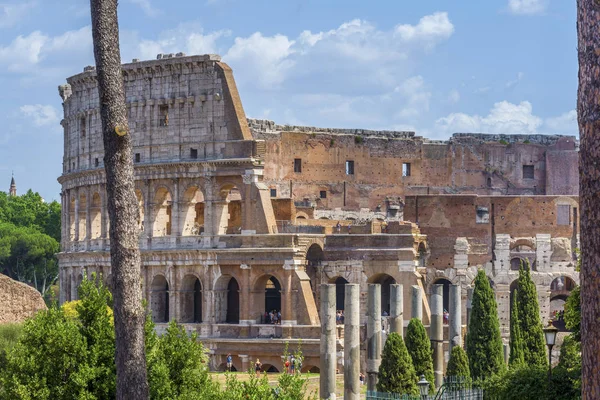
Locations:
(239, 217)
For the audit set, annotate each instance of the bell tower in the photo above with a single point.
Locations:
(13, 187)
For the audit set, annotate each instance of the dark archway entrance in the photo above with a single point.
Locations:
(340, 293)
(197, 301)
(159, 299)
(446, 292)
(191, 300)
(233, 302)
(385, 281)
(272, 295)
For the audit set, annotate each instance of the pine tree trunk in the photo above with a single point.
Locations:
(588, 109)
(122, 206)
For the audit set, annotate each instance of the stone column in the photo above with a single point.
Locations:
(352, 342)
(76, 215)
(175, 224)
(417, 303)
(397, 309)
(88, 220)
(373, 335)
(437, 333)
(288, 313)
(469, 305)
(455, 319)
(62, 295)
(220, 215)
(148, 211)
(328, 342)
(104, 213)
(245, 359)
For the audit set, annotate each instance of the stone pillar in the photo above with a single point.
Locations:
(76, 216)
(436, 330)
(245, 359)
(104, 213)
(417, 303)
(175, 224)
(469, 305)
(220, 215)
(88, 220)
(455, 319)
(62, 285)
(397, 309)
(352, 342)
(73, 278)
(328, 342)
(506, 347)
(148, 212)
(373, 335)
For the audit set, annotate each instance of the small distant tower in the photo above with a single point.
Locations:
(13, 187)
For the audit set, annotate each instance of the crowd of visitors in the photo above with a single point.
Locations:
(339, 317)
(272, 317)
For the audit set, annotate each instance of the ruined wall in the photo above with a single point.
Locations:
(400, 164)
(18, 301)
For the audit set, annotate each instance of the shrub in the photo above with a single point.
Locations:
(419, 348)
(534, 345)
(458, 365)
(483, 342)
(516, 341)
(358, 139)
(573, 313)
(396, 372)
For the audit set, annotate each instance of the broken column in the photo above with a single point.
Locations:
(397, 309)
(352, 342)
(417, 303)
(328, 342)
(373, 335)
(436, 330)
(469, 305)
(455, 319)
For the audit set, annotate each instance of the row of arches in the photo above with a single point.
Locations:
(193, 300)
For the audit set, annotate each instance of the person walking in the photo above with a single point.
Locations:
(257, 367)
(229, 362)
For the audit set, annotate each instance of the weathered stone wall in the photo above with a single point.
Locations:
(18, 301)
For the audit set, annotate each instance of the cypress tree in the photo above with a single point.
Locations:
(419, 348)
(483, 341)
(458, 365)
(516, 341)
(532, 335)
(396, 372)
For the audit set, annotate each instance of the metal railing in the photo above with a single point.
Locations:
(454, 388)
(390, 396)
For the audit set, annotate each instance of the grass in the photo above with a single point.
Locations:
(9, 335)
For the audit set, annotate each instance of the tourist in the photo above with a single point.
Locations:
(337, 317)
(279, 317)
(342, 317)
(257, 367)
(446, 317)
(349, 229)
(287, 366)
(339, 227)
(361, 378)
(267, 318)
(292, 364)
(229, 362)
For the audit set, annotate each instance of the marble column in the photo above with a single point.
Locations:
(352, 342)
(417, 302)
(397, 309)
(328, 342)
(455, 318)
(373, 335)
(437, 332)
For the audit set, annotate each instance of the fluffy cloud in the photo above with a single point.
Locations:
(527, 7)
(504, 117)
(10, 14)
(430, 29)
(565, 123)
(416, 97)
(41, 115)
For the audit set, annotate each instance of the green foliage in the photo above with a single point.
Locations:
(568, 371)
(31, 211)
(573, 313)
(358, 139)
(483, 341)
(9, 336)
(532, 335)
(502, 141)
(396, 372)
(331, 142)
(526, 141)
(419, 348)
(530, 382)
(458, 365)
(516, 341)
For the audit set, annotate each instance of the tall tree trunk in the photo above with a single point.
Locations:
(123, 210)
(588, 109)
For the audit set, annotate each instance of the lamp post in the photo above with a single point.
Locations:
(550, 334)
(423, 387)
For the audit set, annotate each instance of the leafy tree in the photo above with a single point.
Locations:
(530, 325)
(458, 365)
(396, 372)
(419, 348)
(31, 211)
(483, 341)
(573, 313)
(516, 341)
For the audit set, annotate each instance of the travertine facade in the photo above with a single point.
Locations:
(232, 225)
(18, 301)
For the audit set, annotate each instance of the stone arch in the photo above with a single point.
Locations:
(140, 202)
(227, 300)
(446, 291)
(191, 299)
(162, 212)
(159, 298)
(314, 258)
(96, 216)
(82, 216)
(267, 290)
(223, 367)
(192, 211)
(519, 242)
(310, 369)
(228, 209)
(385, 281)
(301, 215)
(340, 291)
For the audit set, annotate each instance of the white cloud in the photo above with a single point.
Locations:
(453, 96)
(430, 29)
(25, 52)
(565, 123)
(416, 96)
(515, 82)
(527, 7)
(41, 115)
(10, 14)
(147, 7)
(504, 117)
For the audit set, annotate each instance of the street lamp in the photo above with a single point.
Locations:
(550, 334)
(423, 387)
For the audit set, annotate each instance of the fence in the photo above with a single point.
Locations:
(454, 388)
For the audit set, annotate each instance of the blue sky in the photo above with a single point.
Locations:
(435, 67)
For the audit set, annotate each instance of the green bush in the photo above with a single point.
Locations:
(396, 372)
(419, 348)
(358, 139)
(458, 365)
(483, 342)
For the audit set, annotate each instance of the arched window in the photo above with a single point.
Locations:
(159, 299)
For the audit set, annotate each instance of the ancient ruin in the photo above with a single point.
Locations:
(239, 217)
(18, 301)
